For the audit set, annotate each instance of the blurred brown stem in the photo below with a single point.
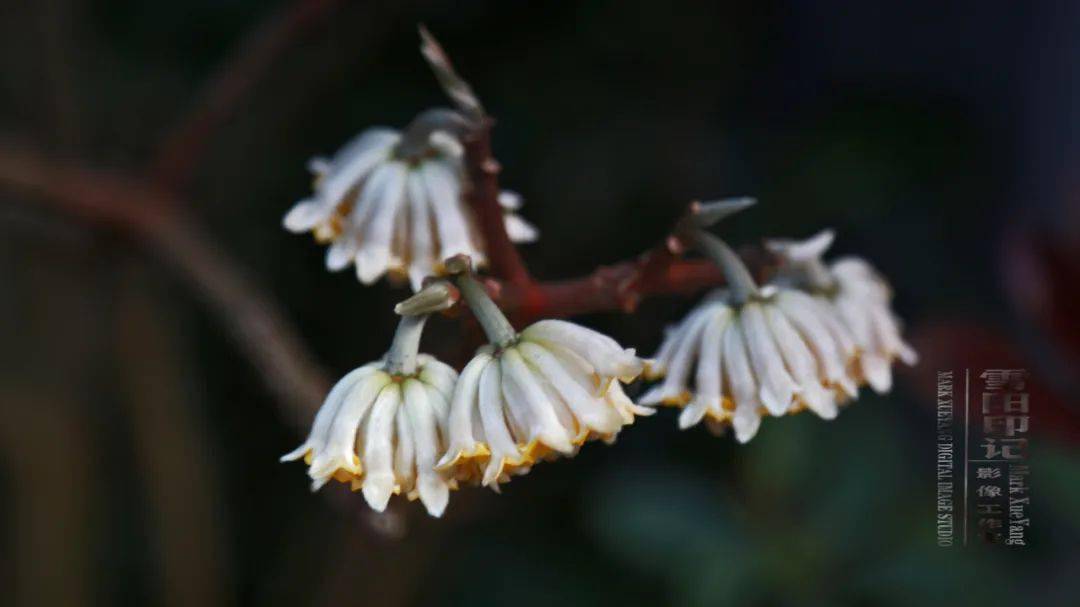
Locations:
(232, 83)
(151, 215)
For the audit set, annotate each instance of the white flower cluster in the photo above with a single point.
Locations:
(393, 203)
(421, 429)
(554, 388)
(805, 342)
(381, 432)
(387, 204)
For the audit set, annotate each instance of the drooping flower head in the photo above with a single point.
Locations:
(384, 425)
(393, 202)
(859, 297)
(745, 350)
(539, 393)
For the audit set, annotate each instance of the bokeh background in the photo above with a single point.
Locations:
(139, 443)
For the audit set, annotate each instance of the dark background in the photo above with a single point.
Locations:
(140, 445)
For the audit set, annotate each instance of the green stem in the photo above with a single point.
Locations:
(740, 282)
(496, 327)
(414, 140)
(401, 358)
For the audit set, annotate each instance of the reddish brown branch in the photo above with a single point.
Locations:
(232, 83)
(617, 287)
(504, 260)
(151, 214)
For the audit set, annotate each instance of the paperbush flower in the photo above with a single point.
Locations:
(778, 352)
(382, 431)
(537, 394)
(387, 202)
(860, 299)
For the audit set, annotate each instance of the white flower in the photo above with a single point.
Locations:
(858, 296)
(778, 352)
(543, 395)
(383, 434)
(388, 210)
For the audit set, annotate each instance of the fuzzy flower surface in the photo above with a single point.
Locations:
(859, 297)
(776, 353)
(553, 388)
(383, 433)
(387, 205)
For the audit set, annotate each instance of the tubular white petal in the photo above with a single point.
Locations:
(405, 451)
(438, 374)
(319, 165)
(817, 337)
(433, 490)
(840, 333)
(616, 397)
(738, 376)
(605, 354)
(520, 230)
(325, 416)
(859, 279)
(371, 195)
(571, 425)
(341, 252)
(464, 402)
(657, 394)
(545, 424)
(673, 337)
(693, 413)
(305, 215)
(441, 406)
(820, 401)
(907, 354)
(495, 430)
(855, 319)
(585, 406)
(355, 161)
(776, 389)
(516, 410)
(446, 144)
(682, 360)
(371, 264)
(373, 257)
(510, 200)
(709, 380)
(875, 369)
(888, 334)
(746, 422)
(341, 438)
(379, 448)
(296, 453)
(422, 253)
(800, 361)
(370, 139)
(400, 250)
(444, 194)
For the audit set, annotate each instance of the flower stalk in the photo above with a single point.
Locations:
(415, 140)
(401, 358)
(740, 282)
(497, 328)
